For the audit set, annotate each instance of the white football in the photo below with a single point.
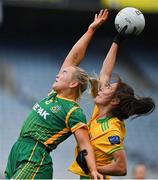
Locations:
(131, 17)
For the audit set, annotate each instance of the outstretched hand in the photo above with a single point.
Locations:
(95, 175)
(122, 36)
(80, 159)
(99, 19)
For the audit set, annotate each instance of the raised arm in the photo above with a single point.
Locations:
(108, 64)
(77, 52)
(110, 59)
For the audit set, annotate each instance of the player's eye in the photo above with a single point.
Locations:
(64, 72)
(107, 85)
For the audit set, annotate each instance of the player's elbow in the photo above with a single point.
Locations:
(122, 170)
(78, 55)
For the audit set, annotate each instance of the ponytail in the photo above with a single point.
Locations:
(85, 81)
(94, 83)
(83, 78)
(129, 105)
(142, 106)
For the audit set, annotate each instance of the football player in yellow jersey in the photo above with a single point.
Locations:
(114, 103)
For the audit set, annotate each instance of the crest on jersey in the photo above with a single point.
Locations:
(48, 101)
(55, 109)
(114, 139)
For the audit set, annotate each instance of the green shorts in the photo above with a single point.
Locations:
(84, 177)
(29, 159)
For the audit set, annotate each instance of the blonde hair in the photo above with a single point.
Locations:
(83, 78)
(94, 82)
(85, 82)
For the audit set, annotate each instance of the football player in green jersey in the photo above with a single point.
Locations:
(54, 119)
(114, 102)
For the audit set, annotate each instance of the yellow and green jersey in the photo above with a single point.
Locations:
(107, 136)
(52, 120)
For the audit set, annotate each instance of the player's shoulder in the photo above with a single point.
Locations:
(77, 110)
(116, 123)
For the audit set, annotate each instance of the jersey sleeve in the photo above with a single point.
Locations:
(77, 120)
(114, 141)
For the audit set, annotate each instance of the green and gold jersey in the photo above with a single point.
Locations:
(107, 136)
(52, 120)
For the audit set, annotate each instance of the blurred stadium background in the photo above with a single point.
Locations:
(35, 37)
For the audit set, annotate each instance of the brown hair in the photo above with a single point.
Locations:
(129, 104)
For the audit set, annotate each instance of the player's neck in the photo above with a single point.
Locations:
(103, 111)
(68, 95)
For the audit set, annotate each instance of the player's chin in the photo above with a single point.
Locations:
(99, 100)
(96, 99)
(54, 86)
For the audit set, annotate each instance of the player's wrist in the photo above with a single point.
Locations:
(92, 29)
(121, 36)
(93, 169)
(118, 40)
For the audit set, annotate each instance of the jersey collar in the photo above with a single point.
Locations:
(62, 97)
(101, 120)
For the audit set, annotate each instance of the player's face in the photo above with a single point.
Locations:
(105, 94)
(64, 79)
